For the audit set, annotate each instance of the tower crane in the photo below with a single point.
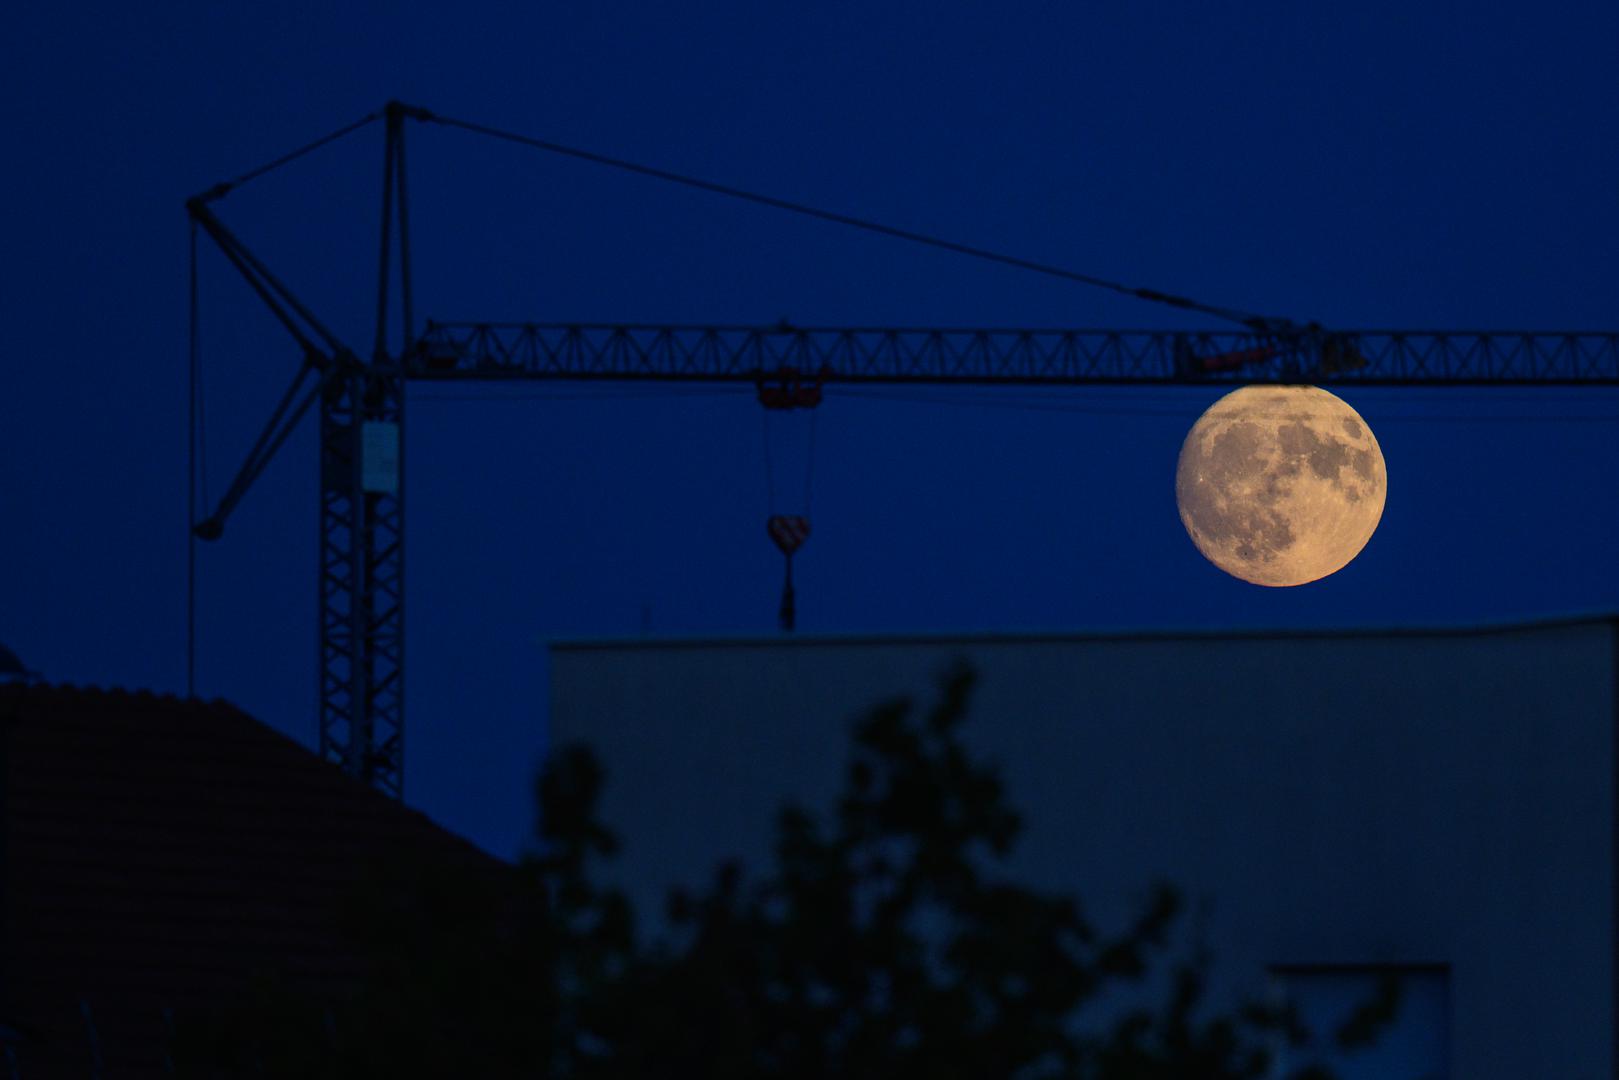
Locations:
(360, 398)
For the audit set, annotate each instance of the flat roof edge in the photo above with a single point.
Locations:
(1008, 637)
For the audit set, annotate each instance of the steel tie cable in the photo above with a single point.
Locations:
(220, 190)
(1249, 319)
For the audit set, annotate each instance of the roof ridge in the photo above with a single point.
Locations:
(119, 692)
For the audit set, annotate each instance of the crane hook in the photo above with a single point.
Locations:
(789, 531)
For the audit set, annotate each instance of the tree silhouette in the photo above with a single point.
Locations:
(884, 941)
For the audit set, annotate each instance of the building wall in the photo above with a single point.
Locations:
(1340, 798)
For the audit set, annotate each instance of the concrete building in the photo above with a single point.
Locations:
(1435, 804)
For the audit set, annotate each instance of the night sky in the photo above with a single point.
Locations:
(1377, 165)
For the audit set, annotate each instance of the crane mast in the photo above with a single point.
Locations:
(361, 640)
(362, 402)
(362, 522)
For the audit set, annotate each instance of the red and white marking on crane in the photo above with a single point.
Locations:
(789, 531)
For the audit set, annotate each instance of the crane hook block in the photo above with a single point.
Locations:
(789, 531)
(789, 388)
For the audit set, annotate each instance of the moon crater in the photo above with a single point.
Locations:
(1280, 485)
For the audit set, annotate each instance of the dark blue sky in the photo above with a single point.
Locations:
(1383, 164)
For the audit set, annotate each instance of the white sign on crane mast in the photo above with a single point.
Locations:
(379, 457)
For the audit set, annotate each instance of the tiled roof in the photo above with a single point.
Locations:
(158, 853)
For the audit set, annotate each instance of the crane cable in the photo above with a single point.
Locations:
(196, 468)
(225, 187)
(1251, 320)
(1258, 323)
(809, 462)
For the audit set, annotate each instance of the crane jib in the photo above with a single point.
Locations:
(781, 361)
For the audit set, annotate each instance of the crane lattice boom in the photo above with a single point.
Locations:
(1053, 357)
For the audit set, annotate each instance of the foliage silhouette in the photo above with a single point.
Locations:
(883, 943)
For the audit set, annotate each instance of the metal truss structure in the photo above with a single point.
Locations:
(362, 533)
(495, 351)
(362, 414)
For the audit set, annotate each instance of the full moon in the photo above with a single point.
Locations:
(1280, 485)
